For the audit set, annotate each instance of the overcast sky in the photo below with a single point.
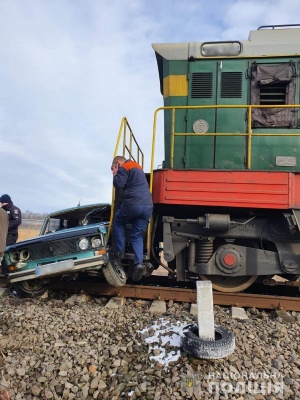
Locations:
(70, 70)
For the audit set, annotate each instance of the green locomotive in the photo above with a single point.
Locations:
(227, 198)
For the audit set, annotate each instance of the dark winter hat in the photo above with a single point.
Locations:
(5, 198)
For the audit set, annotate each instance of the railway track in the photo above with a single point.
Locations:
(181, 294)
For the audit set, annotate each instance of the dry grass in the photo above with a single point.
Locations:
(29, 229)
(27, 233)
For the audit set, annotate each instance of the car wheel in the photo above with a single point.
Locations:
(30, 288)
(221, 347)
(114, 273)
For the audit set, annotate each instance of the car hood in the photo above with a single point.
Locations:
(61, 234)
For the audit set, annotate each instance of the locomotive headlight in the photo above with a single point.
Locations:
(24, 255)
(14, 256)
(96, 242)
(200, 126)
(83, 244)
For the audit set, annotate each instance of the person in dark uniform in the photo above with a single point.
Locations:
(14, 218)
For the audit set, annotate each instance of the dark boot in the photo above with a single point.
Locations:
(148, 269)
(137, 272)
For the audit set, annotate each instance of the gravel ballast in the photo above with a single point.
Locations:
(73, 347)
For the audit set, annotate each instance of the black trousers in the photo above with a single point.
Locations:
(11, 238)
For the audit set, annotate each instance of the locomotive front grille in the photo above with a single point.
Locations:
(202, 85)
(231, 85)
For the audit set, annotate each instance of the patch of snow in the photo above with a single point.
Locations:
(165, 333)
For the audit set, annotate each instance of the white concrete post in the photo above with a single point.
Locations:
(206, 324)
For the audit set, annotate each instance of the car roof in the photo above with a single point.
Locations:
(79, 211)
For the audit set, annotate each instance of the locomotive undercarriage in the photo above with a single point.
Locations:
(232, 251)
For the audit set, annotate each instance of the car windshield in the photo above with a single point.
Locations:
(79, 216)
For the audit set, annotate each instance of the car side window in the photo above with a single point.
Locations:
(72, 222)
(55, 224)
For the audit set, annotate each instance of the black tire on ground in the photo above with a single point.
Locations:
(30, 288)
(114, 273)
(221, 347)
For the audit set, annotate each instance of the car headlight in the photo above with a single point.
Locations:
(24, 255)
(14, 256)
(83, 244)
(20, 265)
(96, 242)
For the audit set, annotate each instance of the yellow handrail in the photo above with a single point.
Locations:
(249, 134)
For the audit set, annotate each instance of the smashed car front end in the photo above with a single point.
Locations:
(61, 252)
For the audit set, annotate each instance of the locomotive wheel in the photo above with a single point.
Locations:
(229, 284)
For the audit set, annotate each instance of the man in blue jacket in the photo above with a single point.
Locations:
(136, 209)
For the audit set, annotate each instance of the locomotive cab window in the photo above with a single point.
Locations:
(273, 85)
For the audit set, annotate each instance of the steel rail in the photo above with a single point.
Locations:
(181, 294)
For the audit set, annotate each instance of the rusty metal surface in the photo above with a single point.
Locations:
(182, 294)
